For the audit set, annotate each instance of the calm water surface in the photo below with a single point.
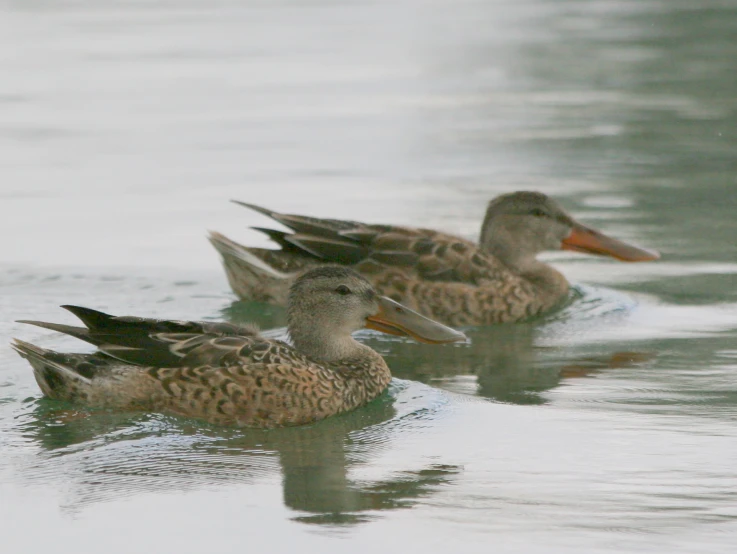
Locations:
(610, 426)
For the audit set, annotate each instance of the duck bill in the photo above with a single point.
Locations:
(590, 241)
(395, 319)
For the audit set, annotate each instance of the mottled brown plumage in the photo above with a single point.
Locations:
(228, 374)
(442, 276)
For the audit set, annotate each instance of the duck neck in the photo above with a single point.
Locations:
(362, 371)
(321, 344)
(516, 252)
(544, 277)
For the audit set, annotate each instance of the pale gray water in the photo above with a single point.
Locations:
(608, 427)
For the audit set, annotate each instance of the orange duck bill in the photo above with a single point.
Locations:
(395, 319)
(591, 241)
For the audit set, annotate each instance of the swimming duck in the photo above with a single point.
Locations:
(228, 374)
(447, 278)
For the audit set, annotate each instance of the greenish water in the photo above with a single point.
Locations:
(610, 426)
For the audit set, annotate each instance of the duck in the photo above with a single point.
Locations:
(450, 279)
(228, 374)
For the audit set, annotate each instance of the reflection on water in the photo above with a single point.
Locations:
(108, 456)
(266, 316)
(500, 364)
(607, 427)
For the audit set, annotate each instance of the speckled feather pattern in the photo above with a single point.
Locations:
(444, 277)
(221, 373)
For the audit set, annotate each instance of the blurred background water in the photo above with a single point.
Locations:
(125, 128)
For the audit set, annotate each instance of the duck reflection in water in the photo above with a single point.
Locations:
(107, 455)
(502, 364)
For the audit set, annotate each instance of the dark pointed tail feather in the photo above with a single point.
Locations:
(255, 208)
(329, 250)
(280, 238)
(104, 330)
(93, 319)
(98, 335)
(56, 378)
(328, 228)
(284, 219)
(81, 333)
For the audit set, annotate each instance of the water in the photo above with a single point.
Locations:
(607, 427)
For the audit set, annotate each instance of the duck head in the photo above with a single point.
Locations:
(520, 225)
(329, 303)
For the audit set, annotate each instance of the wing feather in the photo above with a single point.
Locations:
(145, 341)
(420, 254)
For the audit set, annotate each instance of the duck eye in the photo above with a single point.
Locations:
(342, 289)
(537, 212)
